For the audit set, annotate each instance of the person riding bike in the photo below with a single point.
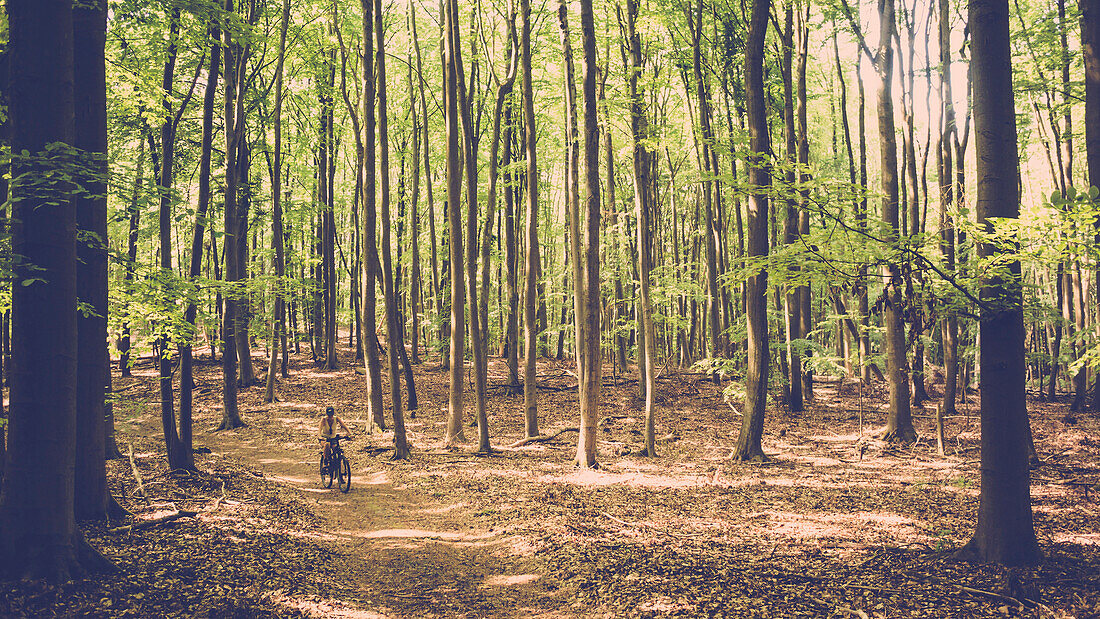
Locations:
(328, 428)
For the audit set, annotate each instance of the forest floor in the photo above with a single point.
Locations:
(834, 524)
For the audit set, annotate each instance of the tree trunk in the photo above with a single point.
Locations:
(125, 346)
(530, 326)
(38, 534)
(1004, 532)
(89, 37)
(370, 221)
(949, 328)
(454, 225)
(756, 287)
(278, 325)
(393, 327)
(231, 417)
(792, 307)
(899, 422)
(198, 236)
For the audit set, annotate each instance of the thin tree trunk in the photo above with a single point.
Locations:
(748, 445)
(278, 330)
(530, 326)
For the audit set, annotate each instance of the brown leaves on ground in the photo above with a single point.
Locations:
(835, 524)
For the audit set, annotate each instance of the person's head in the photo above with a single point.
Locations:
(330, 411)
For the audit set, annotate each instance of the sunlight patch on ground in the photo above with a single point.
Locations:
(418, 534)
(835, 525)
(506, 580)
(322, 608)
(374, 479)
(1085, 539)
(640, 480)
(292, 480)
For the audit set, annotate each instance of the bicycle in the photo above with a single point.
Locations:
(336, 466)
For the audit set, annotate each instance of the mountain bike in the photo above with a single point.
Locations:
(336, 466)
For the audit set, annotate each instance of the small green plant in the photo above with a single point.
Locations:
(960, 482)
(943, 541)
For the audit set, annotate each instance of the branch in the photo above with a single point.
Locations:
(858, 31)
(145, 524)
(541, 438)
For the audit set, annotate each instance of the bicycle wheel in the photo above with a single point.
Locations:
(343, 474)
(326, 473)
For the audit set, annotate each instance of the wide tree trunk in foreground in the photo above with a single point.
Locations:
(38, 534)
(1005, 532)
(756, 287)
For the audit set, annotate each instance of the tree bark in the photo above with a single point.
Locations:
(748, 445)
(530, 326)
(231, 417)
(370, 224)
(393, 326)
(38, 534)
(90, 95)
(454, 225)
(1004, 532)
(278, 324)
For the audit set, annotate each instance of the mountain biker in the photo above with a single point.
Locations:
(328, 428)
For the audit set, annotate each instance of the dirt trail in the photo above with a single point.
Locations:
(409, 553)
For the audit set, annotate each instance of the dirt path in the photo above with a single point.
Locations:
(411, 554)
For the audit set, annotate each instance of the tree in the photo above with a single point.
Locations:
(278, 323)
(586, 261)
(393, 323)
(370, 223)
(1004, 532)
(643, 198)
(90, 86)
(234, 135)
(530, 325)
(38, 534)
(756, 304)
(454, 222)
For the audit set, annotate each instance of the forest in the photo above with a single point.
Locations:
(667, 308)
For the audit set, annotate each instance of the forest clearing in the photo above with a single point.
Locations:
(832, 526)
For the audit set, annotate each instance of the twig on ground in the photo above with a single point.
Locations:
(996, 596)
(542, 438)
(854, 611)
(145, 524)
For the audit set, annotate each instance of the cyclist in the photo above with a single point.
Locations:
(328, 428)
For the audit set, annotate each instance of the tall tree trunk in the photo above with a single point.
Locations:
(125, 347)
(278, 324)
(640, 132)
(899, 422)
(792, 307)
(949, 327)
(393, 325)
(530, 300)
(92, 370)
(231, 417)
(454, 224)
(370, 223)
(756, 287)
(1090, 46)
(198, 235)
(586, 280)
(167, 171)
(1004, 532)
(38, 534)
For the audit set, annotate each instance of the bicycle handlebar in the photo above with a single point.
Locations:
(334, 439)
